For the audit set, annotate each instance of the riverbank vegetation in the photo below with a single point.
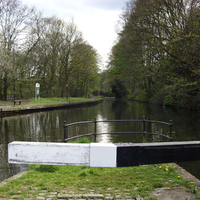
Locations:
(45, 50)
(35, 102)
(141, 180)
(157, 56)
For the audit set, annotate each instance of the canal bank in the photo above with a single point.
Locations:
(8, 109)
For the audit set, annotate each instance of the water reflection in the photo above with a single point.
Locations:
(103, 128)
(39, 127)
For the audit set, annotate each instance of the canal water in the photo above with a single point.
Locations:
(48, 127)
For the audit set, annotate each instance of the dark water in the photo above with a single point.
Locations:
(48, 127)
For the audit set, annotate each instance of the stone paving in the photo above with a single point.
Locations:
(177, 193)
(81, 194)
(109, 194)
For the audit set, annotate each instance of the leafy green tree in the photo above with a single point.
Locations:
(85, 78)
(158, 51)
(118, 89)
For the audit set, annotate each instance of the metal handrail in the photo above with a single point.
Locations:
(66, 139)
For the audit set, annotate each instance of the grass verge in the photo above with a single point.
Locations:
(140, 180)
(54, 100)
(46, 101)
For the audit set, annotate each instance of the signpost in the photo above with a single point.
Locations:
(67, 91)
(37, 91)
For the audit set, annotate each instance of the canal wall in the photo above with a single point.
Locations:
(30, 108)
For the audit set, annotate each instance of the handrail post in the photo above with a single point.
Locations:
(95, 129)
(170, 129)
(65, 131)
(143, 126)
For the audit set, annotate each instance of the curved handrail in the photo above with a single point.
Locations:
(170, 124)
(125, 120)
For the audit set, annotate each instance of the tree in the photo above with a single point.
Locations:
(44, 59)
(85, 78)
(61, 59)
(14, 22)
(118, 89)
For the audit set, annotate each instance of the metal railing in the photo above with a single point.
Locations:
(143, 121)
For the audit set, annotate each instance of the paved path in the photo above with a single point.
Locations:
(160, 194)
(85, 195)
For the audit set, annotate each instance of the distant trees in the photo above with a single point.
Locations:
(47, 50)
(157, 54)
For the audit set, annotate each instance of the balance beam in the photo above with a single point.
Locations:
(102, 154)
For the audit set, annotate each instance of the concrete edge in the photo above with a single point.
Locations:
(16, 176)
(49, 106)
(186, 175)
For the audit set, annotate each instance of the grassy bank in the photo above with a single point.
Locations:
(54, 100)
(45, 101)
(59, 180)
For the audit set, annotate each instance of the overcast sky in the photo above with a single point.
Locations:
(96, 19)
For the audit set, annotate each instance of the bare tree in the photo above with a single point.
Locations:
(13, 26)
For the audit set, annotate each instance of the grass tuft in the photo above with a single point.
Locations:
(46, 168)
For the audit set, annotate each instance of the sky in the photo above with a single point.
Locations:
(96, 19)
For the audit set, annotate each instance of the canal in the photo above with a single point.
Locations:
(48, 127)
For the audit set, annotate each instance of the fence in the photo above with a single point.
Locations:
(143, 121)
